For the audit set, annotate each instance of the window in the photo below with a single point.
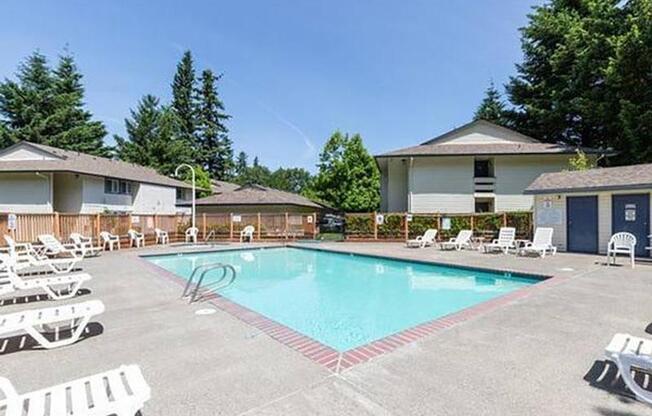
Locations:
(484, 205)
(483, 168)
(181, 194)
(114, 186)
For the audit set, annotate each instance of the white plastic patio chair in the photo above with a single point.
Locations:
(122, 392)
(54, 247)
(162, 237)
(462, 240)
(110, 240)
(75, 316)
(136, 239)
(25, 256)
(247, 233)
(504, 242)
(425, 240)
(85, 245)
(191, 234)
(621, 243)
(11, 282)
(629, 352)
(541, 243)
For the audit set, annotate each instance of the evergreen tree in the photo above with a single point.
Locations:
(184, 100)
(255, 164)
(492, 107)
(215, 148)
(153, 138)
(348, 177)
(241, 164)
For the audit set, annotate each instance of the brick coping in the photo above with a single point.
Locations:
(336, 361)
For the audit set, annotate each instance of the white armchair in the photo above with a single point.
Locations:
(136, 239)
(621, 243)
(191, 234)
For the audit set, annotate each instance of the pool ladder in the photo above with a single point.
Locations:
(195, 291)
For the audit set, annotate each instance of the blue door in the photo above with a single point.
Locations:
(631, 213)
(582, 224)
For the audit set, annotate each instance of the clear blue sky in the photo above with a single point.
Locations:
(294, 71)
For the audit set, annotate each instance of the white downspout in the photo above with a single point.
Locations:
(409, 184)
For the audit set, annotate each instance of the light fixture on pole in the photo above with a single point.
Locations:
(176, 173)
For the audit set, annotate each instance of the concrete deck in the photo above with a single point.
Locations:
(538, 355)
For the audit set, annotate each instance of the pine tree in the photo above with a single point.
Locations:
(152, 138)
(492, 108)
(184, 100)
(215, 148)
(241, 164)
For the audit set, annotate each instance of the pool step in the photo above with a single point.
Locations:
(196, 291)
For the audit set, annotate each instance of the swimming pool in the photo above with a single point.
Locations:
(344, 300)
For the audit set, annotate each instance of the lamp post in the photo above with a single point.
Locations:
(176, 173)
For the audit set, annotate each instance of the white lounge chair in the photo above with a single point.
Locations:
(621, 243)
(462, 240)
(629, 352)
(191, 234)
(84, 245)
(136, 239)
(122, 392)
(504, 242)
(247, 233)
(541, 243)
(162, 237)
(425, 240)
(10, 281)
(110, 240)
(54, 247)
(26, 256)
(76, 316)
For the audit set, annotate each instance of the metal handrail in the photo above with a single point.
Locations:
(208, 237)
(186, 290)
(214, 286)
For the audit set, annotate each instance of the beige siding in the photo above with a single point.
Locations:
(604, 216)
(68, 192)
(442, 184)
(21, 153)
(484, 133)
(397, 185)
(515, 173)
(25, 193)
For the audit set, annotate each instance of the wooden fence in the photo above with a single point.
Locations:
(269, 226)
(400, 226)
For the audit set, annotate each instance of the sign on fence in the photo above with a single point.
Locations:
(380, 219)
(237, 218)
(445, 223)
(12, 222)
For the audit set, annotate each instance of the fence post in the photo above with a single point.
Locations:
(203, 227)
(407, 227)
(314, 225)
(504, 219)
(231, 226)
(286, 225)
(472, 223)
(56, 227)
(258, 225)
(375, 214)
(98, 227)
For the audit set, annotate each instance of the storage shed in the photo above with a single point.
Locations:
(586, 207)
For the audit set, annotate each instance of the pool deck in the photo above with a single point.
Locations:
(537, 354)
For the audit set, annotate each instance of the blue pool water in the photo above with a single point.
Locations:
(343, 300)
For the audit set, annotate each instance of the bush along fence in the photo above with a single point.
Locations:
(401, 226)
(227, 227)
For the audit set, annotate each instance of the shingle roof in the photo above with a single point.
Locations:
(75, 162)
(222, 186)
(524, 145)
(257, 195)
(601, 179)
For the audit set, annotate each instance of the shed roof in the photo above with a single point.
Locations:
(257, 195)
(82, 163)
(600, 179)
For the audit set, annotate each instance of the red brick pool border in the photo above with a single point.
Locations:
(337, 362)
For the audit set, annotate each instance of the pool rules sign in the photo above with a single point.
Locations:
(12, 222)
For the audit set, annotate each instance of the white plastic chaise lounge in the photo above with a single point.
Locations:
(425, 240)
(26, 256)
(191, 235)
(136, 239)
(462, 240)
(621, 243)
(628, 352)
(54, 247)
(75, 316)
(11, 282)
(122, 391)
(162, 237)
(110, 240)
(247, 233)
(85, 245)
(504, 242)
(541, 243)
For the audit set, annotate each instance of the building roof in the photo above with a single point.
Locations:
(601, 179)
(508, 142)
(75, 162)
(220, 187)
(257, 195)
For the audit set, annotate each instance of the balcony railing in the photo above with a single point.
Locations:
(484, 185)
